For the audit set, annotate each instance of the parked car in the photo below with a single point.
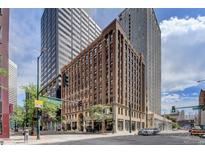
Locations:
(156, 131)
(141, 132)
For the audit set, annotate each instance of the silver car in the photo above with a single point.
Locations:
(148, 131)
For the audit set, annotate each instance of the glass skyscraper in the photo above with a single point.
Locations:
(64, 33)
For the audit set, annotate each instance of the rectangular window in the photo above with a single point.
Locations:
(127, 125)
(0, 113)
(133, 125)
(1, 35)
(1, 129)
(120, 125)
(0, 97)
(1, 59)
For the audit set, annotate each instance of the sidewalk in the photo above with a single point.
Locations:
(19, 140)
(173, 132)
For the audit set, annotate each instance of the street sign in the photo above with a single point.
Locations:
(38, 103)
(196, 107)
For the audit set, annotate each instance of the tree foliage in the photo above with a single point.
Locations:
(18, 116)
(175, 126)
(49, 108)
(29, 103)
(98, 112)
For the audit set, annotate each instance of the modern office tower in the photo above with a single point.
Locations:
(12, 83)
(201, 116)
(142, 29)
(4, 54)
(109, 72)
(64, 32)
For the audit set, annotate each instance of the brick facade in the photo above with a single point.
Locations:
(4, 53)
(202, 102)
(110, 72)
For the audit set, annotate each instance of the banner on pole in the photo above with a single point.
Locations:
(38, 103)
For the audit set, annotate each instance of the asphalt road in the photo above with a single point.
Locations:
(139, 140)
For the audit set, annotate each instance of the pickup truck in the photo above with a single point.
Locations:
(197, 131)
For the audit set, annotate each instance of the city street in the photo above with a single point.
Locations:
(138, 140)
(179, 137)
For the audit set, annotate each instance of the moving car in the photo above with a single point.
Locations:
(148, 131)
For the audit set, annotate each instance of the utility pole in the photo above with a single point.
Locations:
(37, 98)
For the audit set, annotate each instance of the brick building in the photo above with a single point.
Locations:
(4, 53)
(109, 71)
(202, 102)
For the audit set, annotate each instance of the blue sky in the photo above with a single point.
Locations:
(183, 39)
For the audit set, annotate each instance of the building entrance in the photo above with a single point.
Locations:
(80, 122)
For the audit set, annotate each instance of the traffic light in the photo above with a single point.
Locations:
(173, 109)
(65, 79)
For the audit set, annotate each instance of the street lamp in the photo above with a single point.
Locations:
(37, 97)
(130, 117)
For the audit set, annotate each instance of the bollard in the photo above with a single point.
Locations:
(26, 134)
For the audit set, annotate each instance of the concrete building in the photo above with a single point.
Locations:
(12, 83)
(64, 33)
(202, 102)
(109, 72)
(158, 121)
(143, 31)
(4, 54)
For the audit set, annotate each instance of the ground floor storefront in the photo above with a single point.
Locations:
(84, 124)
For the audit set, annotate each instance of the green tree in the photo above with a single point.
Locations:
(49, 108)
(175, 126)
(99, 113)
(18, 116)
(29, 105)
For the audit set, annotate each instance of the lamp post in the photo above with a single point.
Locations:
(130, 118)
(37, 98)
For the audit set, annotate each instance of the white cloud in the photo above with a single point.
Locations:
(177, 100)
(24, 40)
(183, 53)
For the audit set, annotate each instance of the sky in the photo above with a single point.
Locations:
(182, 41)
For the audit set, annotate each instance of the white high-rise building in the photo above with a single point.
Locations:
(12, 83)
(142, 29)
